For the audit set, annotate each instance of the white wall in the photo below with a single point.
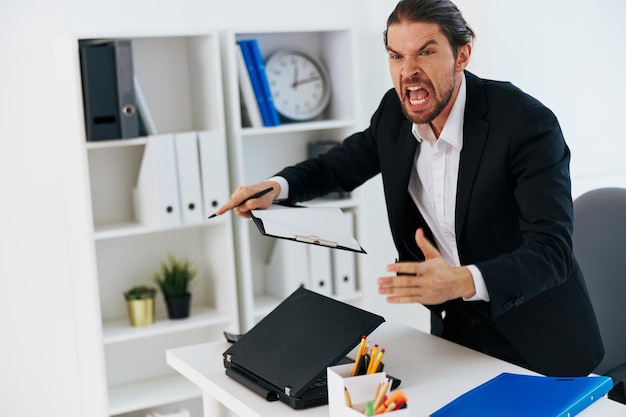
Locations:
(37, 322)
(569, 54)
(46, 350)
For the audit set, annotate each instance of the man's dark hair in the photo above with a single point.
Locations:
(442, 12)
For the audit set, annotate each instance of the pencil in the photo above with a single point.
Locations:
(372, 357)
(398, 398)
(366, 350)
(381, 394)
(379, 387)
(365, 359)
(358, 356)
(346, 394)
(390, 407)
(255, 195)
(374, 368)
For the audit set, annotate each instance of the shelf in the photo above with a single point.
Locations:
(350, 298)
(117, 143)
(264, 304)
(127, 229)
(119, 331)
(298, 127)
(152, 393)
(121, 230)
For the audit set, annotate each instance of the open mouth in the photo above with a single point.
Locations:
(417, 95)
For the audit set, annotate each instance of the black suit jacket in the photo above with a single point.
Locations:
(513, 216)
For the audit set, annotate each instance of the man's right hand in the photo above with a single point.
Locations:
(242, 203)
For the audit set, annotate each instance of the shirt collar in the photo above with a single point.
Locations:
(452, 132)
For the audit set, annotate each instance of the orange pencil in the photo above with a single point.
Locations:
(372, 357)
(373, 369)
(358, 355)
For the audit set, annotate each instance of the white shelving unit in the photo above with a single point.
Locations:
(182, 83)
(258, 153)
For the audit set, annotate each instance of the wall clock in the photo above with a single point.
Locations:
(299, 84)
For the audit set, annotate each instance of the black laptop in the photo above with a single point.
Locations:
(285, 356)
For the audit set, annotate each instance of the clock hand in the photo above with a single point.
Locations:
(304, 81)
(295, 77)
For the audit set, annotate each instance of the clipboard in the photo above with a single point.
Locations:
(323, 226)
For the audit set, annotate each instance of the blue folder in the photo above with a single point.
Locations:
(515, 395)
(255, 80)
(256, 68)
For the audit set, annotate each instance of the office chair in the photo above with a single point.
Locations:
(599, 243)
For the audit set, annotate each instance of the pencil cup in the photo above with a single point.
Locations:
(345, 389)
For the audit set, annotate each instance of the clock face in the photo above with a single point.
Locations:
(299, 84)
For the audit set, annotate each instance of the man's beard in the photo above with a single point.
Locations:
(439, 106)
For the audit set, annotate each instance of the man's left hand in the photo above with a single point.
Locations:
(433, 281)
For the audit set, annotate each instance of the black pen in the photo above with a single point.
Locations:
(256, 195)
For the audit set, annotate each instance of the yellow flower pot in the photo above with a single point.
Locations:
(140, 312)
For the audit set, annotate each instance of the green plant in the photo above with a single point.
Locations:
(140, 292)
(175, 276)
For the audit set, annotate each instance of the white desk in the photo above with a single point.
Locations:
(433, 372)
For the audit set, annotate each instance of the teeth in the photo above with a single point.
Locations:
(415, 102)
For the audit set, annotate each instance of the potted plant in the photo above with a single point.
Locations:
(140, 304)
(174, 279)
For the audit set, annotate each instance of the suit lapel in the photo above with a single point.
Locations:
(403, 163)
(475, 130)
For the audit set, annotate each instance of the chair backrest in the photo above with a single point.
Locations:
(599, 241)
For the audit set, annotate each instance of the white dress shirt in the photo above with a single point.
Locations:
(433, 185)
